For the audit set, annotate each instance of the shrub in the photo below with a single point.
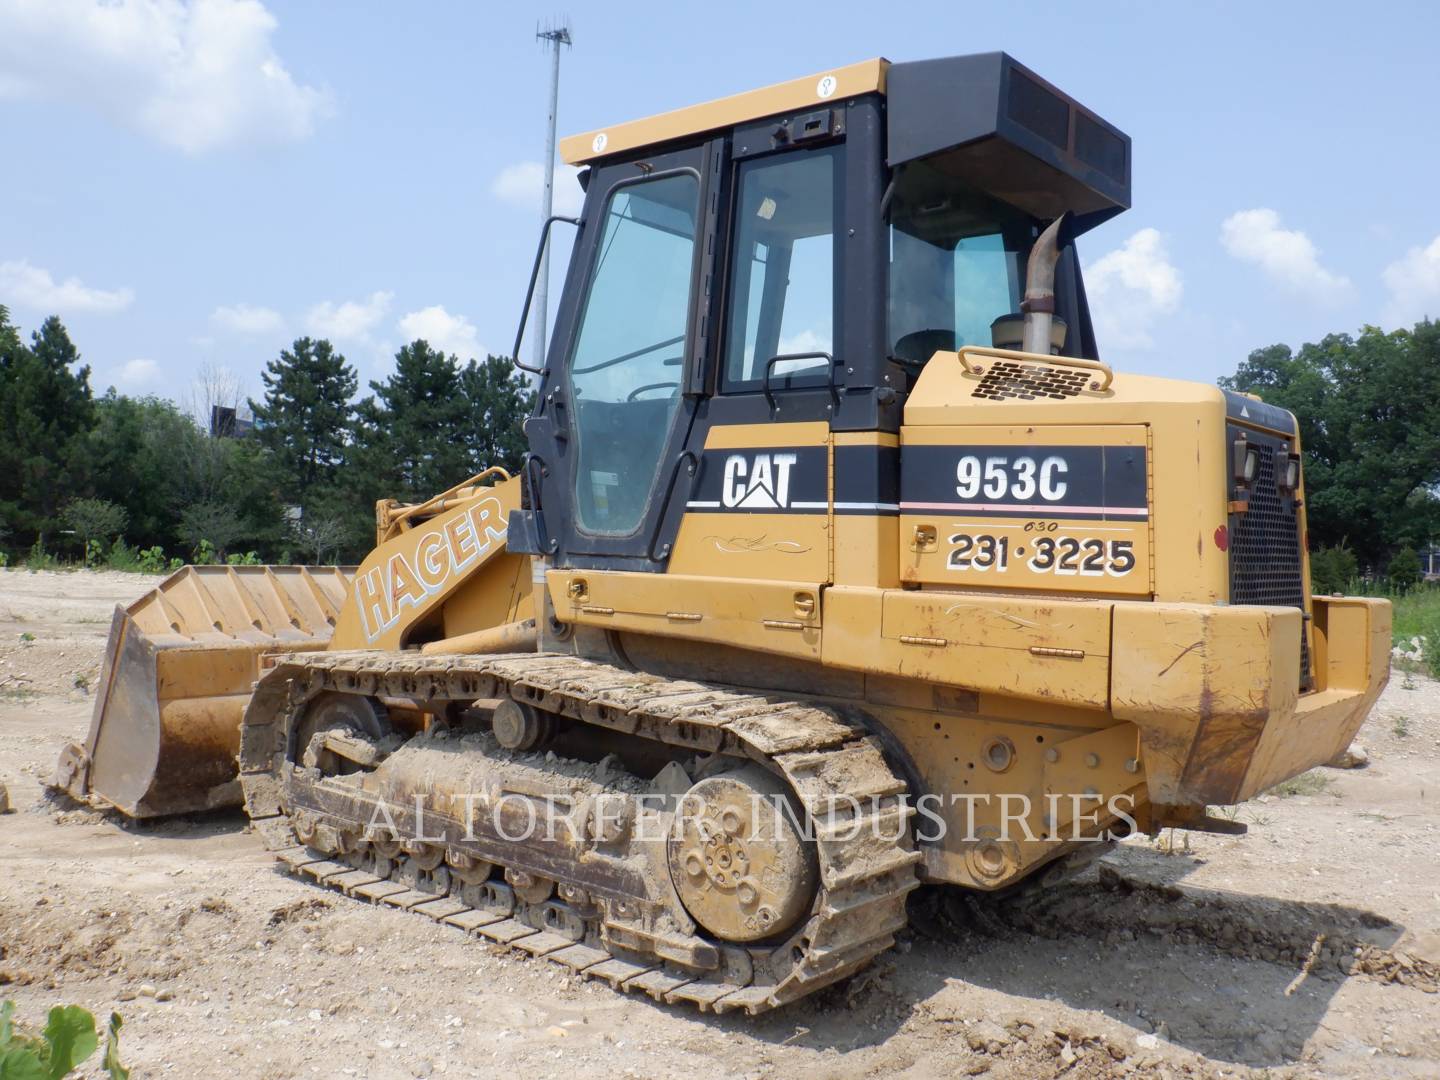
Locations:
(212, 525)
(1332, 569)
(94, 521)
(1404, 569)
(39, 558)
(122, 556)
(152, 560)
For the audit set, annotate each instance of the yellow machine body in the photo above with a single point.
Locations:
(1020, 674)
(1036, 614)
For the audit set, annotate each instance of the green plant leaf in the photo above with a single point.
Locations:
(21, 1063)
(111, 1063)
(70, 1031)
(7, 1011)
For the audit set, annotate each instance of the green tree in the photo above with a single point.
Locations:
(415, 427)
(500, 399)
(1404, 569)
(1369, 415)
(45, 412)
(140, 454)
(306, 415)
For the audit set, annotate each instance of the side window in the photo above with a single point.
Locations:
(782, 290)
(626, 367)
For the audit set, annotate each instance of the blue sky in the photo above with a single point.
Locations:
(198, 183)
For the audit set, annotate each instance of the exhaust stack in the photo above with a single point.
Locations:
(1039, 303)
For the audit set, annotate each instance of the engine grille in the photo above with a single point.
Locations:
(1030, 382)
(1265, 559)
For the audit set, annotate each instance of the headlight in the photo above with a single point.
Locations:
(1245, 461)
(1292, 473)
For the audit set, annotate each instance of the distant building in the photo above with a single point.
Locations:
(225, 424)
(1430, 563)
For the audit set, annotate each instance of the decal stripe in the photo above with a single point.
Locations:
(1033, 509)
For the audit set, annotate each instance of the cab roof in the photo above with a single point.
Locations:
(837, 84)
(984, 117)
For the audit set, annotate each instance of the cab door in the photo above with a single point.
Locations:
(608, 440)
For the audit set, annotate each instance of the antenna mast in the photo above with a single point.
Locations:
(553, 36)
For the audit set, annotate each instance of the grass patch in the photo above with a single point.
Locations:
(1314, 782)
(1416, 614)
(1401, 727)
(10, 693)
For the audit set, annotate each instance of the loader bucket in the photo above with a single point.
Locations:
(179, 668)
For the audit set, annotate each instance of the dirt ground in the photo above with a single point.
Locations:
(1207, 960)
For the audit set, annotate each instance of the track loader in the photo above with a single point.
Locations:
(840, 562)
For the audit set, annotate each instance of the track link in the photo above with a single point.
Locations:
(615, 930)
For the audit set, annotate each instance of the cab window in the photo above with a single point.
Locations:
(782, 289)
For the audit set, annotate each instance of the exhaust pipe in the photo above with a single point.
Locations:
(1039, 303)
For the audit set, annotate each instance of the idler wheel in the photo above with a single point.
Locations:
(519, 726)
(351, 714)
(742, 868)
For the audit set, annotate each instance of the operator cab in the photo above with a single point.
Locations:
(792, 255)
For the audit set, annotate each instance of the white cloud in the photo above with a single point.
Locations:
(350, 321)
(523, 183)
(28, 286)
(198, 75)
(448, 333)
(1130, 288)
(247, 319)
(1414, 284)
(138, 374)
(1286, 256)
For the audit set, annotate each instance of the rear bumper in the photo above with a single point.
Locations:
(1214, 691)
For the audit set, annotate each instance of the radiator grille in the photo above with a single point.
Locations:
(1265, 562)
(1007, 379)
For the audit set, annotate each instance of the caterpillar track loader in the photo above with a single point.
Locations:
(840, 562)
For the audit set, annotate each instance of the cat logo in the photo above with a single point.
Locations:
(758, 483)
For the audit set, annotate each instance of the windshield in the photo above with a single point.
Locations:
(956, 263)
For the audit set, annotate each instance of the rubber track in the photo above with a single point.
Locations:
(828, 761)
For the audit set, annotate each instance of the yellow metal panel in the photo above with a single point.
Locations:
(1187, 457)
(1042, 649)
(759, 436)
(1353, 633)
(405, 580)
(768, 616)
(825, 87)
(1202, 683)
(1106, 555)
(866, 546)
(771, 547)
(784, 547)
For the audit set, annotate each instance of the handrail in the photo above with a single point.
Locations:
(770, 369)
(967, 352)
(401, 513)
(530, 289)
(665, 505)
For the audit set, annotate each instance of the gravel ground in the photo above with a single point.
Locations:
(1306, 948)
